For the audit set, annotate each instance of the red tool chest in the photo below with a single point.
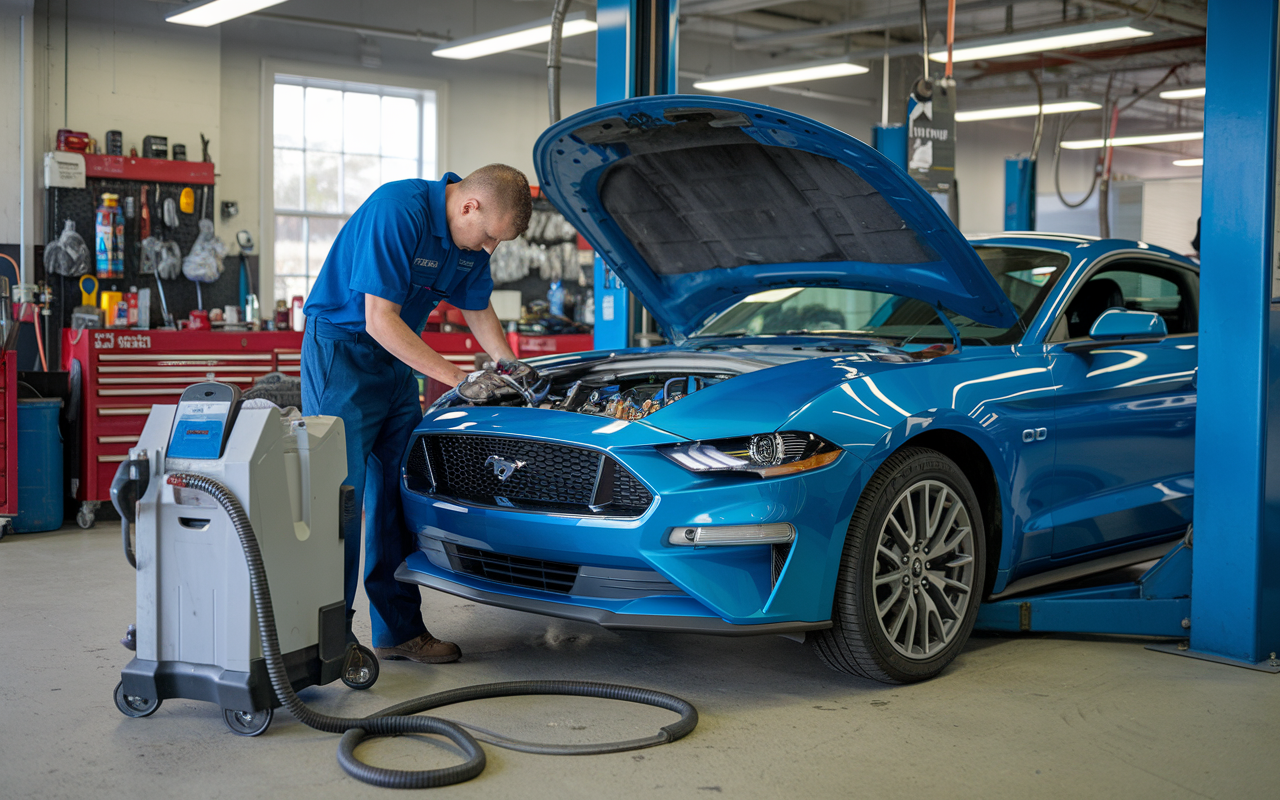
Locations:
(8, 434)
(123, 372)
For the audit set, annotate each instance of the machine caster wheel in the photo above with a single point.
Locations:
(6, 528)
(133, 706)
(361, 670)
(247, 723)
(87, 515)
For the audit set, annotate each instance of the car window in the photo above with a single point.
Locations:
(1026, 275)
(1168, 291)
(795, 309)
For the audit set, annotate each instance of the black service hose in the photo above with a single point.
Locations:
(398, 719)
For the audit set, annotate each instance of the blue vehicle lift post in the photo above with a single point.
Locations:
(635, 57)
(1223, 584)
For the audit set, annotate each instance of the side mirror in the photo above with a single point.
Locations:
(1120, 326)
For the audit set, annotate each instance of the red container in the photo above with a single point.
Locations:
(74, 141)
(199, 321)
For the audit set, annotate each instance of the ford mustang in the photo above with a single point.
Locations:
(862, 426)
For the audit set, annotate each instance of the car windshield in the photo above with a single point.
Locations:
(1025, 275)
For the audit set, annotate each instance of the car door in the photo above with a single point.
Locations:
(1125, 414)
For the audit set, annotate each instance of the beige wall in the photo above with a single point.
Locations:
(17, 81)
(128, 69)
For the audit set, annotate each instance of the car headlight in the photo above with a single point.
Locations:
(767, 454)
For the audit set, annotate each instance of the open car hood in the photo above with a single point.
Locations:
(699, 201)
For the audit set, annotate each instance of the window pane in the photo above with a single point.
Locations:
(400, 127)
(360, 178)
(288, 287)
(289, 250)
(361, 122)
(322, 181)
(288, 115)
(288, 179)
(395, 169)
(324, 119)
(321, 233)
(429, 168)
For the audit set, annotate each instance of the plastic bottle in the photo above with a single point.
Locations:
(555, 298)
(298, 318)
(117, 243)
(105, 233)
(131, 300)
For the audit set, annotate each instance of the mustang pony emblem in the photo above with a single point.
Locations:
(502, 467)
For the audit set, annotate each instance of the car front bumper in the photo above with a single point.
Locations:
(623, 572)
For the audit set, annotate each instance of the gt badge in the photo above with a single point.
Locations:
(502, 467)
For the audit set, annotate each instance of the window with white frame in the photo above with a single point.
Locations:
(334, 143)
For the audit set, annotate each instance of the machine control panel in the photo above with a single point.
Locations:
(206, 412)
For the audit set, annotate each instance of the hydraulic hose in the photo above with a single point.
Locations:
(398, 719)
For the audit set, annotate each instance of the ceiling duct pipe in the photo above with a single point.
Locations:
(553, 59)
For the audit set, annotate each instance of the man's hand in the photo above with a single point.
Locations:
(482, 387)
(507, 378)
(518, 371)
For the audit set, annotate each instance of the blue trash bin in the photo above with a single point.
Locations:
(39, 466)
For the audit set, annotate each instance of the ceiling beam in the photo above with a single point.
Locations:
(863, 25)
(726, 6)
(1171, 14)
(1159, 46)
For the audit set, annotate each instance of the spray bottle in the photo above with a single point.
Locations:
(105, 233)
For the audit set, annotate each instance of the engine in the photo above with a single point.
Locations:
(632, 398)
(627, 389)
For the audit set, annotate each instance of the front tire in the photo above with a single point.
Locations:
(911, 573)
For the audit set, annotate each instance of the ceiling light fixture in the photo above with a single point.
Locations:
(774, 76)
(1123, 141)
(1182, 94)
(1009, 112)
(1189, 162)
(213, 12)
(1040, 41)
(514, 38)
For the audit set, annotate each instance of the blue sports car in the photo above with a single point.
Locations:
(863, 426)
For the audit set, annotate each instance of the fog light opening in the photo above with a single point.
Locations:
(767, 533)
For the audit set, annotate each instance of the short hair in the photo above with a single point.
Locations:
(507, 187)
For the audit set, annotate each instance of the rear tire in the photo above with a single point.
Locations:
(911, 574)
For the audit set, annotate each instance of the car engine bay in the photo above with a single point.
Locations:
(616, 388)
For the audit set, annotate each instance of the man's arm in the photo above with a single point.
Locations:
(382, 322)
(487, 329)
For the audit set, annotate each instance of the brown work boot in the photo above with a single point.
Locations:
(425, 649)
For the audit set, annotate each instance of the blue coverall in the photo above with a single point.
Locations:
(396, 246)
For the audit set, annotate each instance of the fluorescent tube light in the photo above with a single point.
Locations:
(1062, 39)
(538, 32)
(1121, 141)
(1009, 112)
(1189, 162)
(1182, 94)
(773, 76)
(212, 12)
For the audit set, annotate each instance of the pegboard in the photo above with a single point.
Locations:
(81, 205)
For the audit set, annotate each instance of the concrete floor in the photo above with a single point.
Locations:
(1025, 717)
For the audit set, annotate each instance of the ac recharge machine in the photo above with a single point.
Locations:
(206, 477)
(196, 635)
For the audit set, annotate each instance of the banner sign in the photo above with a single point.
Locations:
(931, 134)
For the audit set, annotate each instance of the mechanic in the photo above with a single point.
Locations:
(412, 244)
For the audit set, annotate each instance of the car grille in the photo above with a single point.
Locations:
(547, 477)
(529, 573)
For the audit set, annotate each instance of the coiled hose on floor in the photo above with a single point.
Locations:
(397, 719)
